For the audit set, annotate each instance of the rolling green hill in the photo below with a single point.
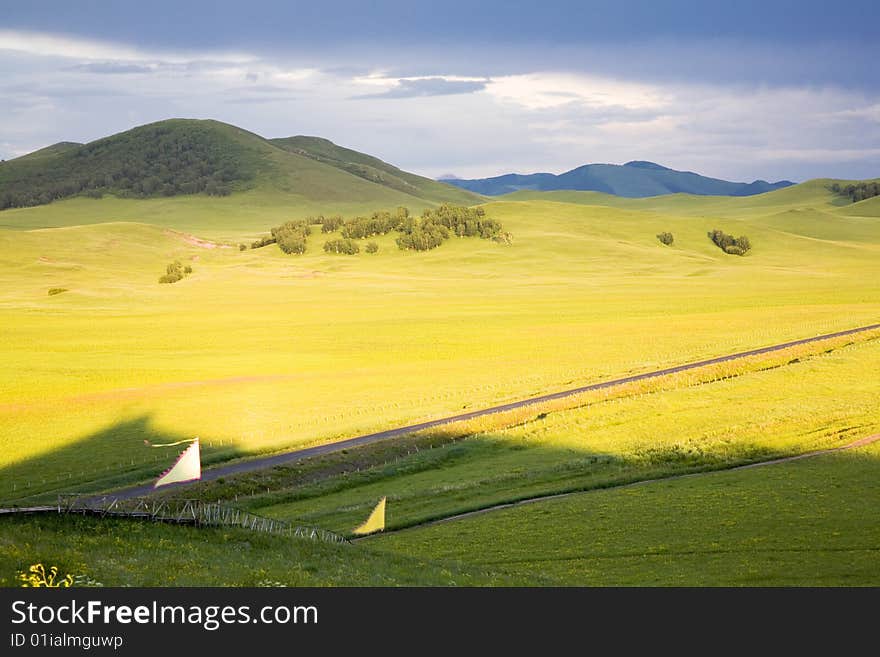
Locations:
(374, 170)
(49, 151)
(813, 194)
(181, 157)
(634, 180)
(257, 351)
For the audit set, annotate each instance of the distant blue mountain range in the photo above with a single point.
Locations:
(634, 179)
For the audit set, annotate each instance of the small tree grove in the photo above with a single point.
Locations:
(730, 244)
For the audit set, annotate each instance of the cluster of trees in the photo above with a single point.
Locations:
(263, 241)
(291, 236)
(144, 162)
(665, 238)
(463, 221)
(329, 224)
(346, 246)
(379, 223)
(416, 233)
(175, 272)
(729, 243)
(438, 225)
(859, 191)
(422, 236)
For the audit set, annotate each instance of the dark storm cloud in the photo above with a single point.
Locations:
(756, 88)
(275, 24)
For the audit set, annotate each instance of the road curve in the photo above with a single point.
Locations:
(366, 439)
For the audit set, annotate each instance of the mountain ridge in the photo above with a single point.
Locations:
(634, 179)
(180, 157)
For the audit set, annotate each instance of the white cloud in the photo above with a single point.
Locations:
(59, 88)
(546, 90)
(57, 45)
(871, 112)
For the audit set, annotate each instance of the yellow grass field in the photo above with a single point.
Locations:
(258, 351)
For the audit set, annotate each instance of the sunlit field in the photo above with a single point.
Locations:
(769, 408)
(258, 351)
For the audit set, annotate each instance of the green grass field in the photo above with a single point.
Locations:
(803, 523)
(116, 552)
(259, 351)
(774, 409)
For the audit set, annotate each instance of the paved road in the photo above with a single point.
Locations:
(300, 454)
(797, 457)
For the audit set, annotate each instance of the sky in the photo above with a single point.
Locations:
(743, 90)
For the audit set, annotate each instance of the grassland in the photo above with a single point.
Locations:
(116, 552)
(803, 523)
(257, 351)
(688, 423)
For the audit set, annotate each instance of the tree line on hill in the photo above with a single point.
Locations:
(859, 191)
(147, 162)
(429, 231)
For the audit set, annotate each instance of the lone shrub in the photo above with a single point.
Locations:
(56, 290)
(372, 247)
(242, 247)
(665, 238)
(730, 244)
(175, 272)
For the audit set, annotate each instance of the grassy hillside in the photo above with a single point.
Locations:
(773, 407)
(789, 524)
(160, 159)
(867, 208)
(49, 152)
(180, 158)
(814, 194)
(804, 523)
(256, 350)
(633, 180)
(375, 170)
(135, 553)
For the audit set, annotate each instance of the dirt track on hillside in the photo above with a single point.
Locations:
(366, 439)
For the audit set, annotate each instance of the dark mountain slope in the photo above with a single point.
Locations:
(635, 179)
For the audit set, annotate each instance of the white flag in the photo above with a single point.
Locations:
(188, 467)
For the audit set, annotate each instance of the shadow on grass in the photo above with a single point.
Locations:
(443, 472)
(110, 458)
